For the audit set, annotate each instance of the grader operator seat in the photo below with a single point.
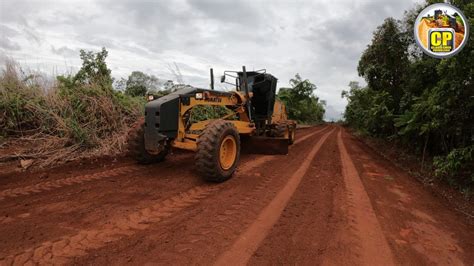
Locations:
(263, 88)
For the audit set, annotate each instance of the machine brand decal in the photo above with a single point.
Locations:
(208, 97)
(213, 99)
(441, 30)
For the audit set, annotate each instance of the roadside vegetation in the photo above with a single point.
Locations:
(71, 117)
(422, 103)
(47, 121)
(301, 102)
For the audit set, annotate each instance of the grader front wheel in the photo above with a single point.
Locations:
(136, 146)
(218, 151)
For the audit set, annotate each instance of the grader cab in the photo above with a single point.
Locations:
(257, 120)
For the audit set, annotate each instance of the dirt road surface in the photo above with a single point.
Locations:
(330, 201)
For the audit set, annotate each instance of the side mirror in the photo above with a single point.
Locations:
(223, 79)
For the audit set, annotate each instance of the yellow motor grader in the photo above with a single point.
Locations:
(257, 120)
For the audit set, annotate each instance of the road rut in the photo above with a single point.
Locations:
(331, 200)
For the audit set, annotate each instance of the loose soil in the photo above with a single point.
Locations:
(331, 200)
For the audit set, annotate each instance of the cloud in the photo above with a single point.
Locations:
(322, 40)
(7, 44)
(235, 12)
(64, 51)
(332, 114)
(6, 33)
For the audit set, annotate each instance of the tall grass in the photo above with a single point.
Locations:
(56, 123)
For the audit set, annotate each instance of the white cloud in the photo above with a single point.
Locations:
(321, 40)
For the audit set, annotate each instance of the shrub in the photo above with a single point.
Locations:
(75, 117)
(456, 167)
(201, 113)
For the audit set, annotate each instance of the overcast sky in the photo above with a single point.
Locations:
(322, 40)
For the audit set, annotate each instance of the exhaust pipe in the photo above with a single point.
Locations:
(212, 79)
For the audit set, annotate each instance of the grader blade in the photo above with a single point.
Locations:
(265, 145)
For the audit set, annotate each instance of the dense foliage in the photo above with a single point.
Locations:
(302, 105)
(139, 83)
(425, 103)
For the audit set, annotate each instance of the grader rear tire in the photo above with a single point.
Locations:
(136, 146)
(218, 151)
(279, 131)
(291, 138)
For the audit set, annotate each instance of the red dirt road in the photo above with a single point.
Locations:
(331, 200)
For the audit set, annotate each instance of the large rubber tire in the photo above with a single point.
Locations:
(208, 162)
(292, 131)
(136, 146)
(280, 130)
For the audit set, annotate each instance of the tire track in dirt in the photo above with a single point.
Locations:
(313, 216)
(419, 227)
(30, 207)
(309, 135)
(50, 185)
(221, 224)
(249, 241)
(55, 184)
(4, 220)
(374, 249)
(58, 252)
(265, 158)
(241, 209)
(9, 219)
(77, 245)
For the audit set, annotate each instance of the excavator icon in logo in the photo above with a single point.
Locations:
(441, 30)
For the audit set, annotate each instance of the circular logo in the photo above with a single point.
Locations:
(441, 30)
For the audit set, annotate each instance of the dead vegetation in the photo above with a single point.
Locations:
(73, 117)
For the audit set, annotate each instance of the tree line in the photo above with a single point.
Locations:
(301, 102)
(422, 102)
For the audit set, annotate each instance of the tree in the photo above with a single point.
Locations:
(383, 63)
(301, 102)
(120, 85)
(367, 110)
(91, 110)
(423, 102)
(169, 85)
(139, 83)
(94, 72)
(94, 69)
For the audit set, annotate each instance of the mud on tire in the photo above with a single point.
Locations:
(291, 137)
(280, 130)
(209, 143)
(136, 146)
